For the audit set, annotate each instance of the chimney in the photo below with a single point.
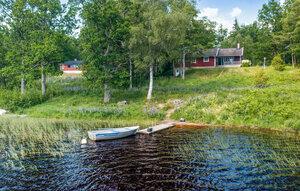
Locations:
(238, 46)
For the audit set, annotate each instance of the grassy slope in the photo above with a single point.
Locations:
(211, 96)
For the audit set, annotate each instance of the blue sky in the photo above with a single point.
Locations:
(224, 11)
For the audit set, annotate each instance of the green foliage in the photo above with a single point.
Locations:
(103, 43)
(3, 51)
(37, 38)
(148, 33)
(261, 79)
(13, 101)
(207, 94)
(268, 106)
(278, 63)
(276, 106)
(221, 35)
(256, 41)
(291, 32)
(25, 137)
(271, 15)
(275, 31)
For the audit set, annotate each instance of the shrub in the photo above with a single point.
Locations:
(13, 100)
(260, 79)
(278, 63)
(246, 63)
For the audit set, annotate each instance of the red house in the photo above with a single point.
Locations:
(72, 67)
(220, 57)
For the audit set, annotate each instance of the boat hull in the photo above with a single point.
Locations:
(110, 134)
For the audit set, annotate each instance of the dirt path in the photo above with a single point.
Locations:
(169, 113)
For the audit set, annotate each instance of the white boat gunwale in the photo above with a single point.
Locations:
(112, 133)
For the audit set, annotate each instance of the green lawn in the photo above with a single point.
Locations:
(228, 96)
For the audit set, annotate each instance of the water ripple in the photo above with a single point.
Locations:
(176, 159)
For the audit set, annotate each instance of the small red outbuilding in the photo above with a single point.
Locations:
(72, 67)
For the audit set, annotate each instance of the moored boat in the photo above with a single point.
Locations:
(112, 133)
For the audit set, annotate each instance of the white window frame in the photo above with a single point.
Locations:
(205, 59)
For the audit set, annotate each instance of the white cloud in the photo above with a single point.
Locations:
(209, 12)
(225, 18)
(214, 15)
(282, 1)
(236, 12)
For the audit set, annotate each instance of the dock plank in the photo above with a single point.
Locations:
(156, 128)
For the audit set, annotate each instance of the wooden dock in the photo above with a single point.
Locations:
(156, 128)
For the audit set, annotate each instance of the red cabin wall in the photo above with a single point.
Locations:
(65, 67)
(201, 63)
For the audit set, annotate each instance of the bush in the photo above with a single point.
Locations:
(278, 63)
(246, 63)
(260, 79)
(12, 100)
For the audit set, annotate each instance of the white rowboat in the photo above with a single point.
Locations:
(112, 133)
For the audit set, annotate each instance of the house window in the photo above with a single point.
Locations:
(228, 60)
(177, 73)
(205, 59)
(73, 66)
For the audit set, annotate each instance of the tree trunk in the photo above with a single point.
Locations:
(149, 96)
(107, 95)
(174, 70)
(130, 73)
(43, 81)
(294, 61)
(23, 86)
(183, 65)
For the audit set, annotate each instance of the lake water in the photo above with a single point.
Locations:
(175, 159)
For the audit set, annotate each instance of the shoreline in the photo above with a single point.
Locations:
(145, 123)
(201, 125)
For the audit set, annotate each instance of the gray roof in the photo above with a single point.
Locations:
(223, 52)
(231, 52)
(210, 52)
(73, 62)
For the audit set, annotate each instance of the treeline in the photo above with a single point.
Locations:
(277, 32)
(35, 38)
(123, 41)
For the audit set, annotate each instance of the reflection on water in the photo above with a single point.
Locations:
(176, 159)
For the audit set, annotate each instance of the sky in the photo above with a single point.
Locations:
(225, 11)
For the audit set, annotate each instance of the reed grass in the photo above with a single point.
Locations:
(26, 137)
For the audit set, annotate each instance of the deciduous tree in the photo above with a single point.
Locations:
(102, 41)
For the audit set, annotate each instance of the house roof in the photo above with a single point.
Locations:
(210, 52)
(73, 62)
(223, 52)
(231, 52)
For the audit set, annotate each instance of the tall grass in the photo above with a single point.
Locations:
(231, 96)
(274, 106)
(25, 137)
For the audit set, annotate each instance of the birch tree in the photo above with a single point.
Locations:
(150, 36)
